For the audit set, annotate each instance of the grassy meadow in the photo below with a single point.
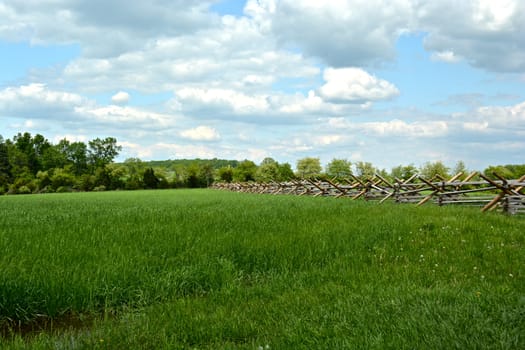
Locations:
(204, 269)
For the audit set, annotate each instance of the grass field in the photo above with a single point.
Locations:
(206, 269)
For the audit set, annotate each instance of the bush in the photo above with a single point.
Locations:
(24, 190)
(63, 189)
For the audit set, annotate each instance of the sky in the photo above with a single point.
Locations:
(391, 82)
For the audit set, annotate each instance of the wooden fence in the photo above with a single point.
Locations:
(502, 194)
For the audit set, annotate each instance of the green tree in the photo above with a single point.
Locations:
(195, 178)
(403, 172)
(460, 167)
(431, 170)
(5, 166)
(225, 174)
(150, 180)
(77, 154)
(245, 171)
(135, 170)
(339, 168)
(102, 152)
(501, 170)
(267, 171)
(285, 172)
(365, 170)
(53, 157)
(62, 178)
(308, 167)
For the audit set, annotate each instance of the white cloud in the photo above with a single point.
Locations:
(129, 117)
(487, 34)
(354, 85)
(445, 56)
(201, 133)
(38, 101)
(361, 32)
(399, 128)
(223, 98)
(120, 98)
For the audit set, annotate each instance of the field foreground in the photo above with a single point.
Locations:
(207, 269)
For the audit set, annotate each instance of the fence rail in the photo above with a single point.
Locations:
(489, 194)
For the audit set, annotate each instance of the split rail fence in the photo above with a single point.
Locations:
(502, 194)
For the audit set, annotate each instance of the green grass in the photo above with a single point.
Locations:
(218, 270)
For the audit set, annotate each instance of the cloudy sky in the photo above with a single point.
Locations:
(386, 81)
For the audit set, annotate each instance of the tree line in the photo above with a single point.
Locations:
(33, 164)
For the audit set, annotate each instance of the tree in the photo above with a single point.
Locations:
(135, 170)
(501, 170)
(285, 172)
(150, 179)
(436, 169)
(76, 153)
(308, 167)
(102, 152)
(225, 174)
(403, 172)
(245, 171)
(29, 152)
(365, 170)
(267, 171)
(460, 167)
(339, 168)
(5, 166)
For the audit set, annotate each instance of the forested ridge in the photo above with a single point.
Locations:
(33, 164)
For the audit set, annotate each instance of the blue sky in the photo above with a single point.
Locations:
(388, 82)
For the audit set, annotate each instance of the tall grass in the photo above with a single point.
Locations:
(208, 269)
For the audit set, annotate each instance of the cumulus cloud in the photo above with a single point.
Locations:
(445, 56)
(120, 98)
(38, 101)
(129, 117)
(395, 128)
(354, 85)
(201, 133)
(487, 34)
(223, 98)
(360, 32)
(105, 28)
(400, 128)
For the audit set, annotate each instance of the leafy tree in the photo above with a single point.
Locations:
(339, 168)
(436, 169)
(285, 172)
(509, 171)
(501, 170)
(44, 180)
(308, 167)
(403, 172)
(53, 157)
(77, 154)
(225, 174)
(267, 171)
(5, 166)
(102, 180)
(150, 180)
(245, 171)
(102, 152)
(195, 177)
(364, 170)
(62, 178)
(207, 172)
(134, 173)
